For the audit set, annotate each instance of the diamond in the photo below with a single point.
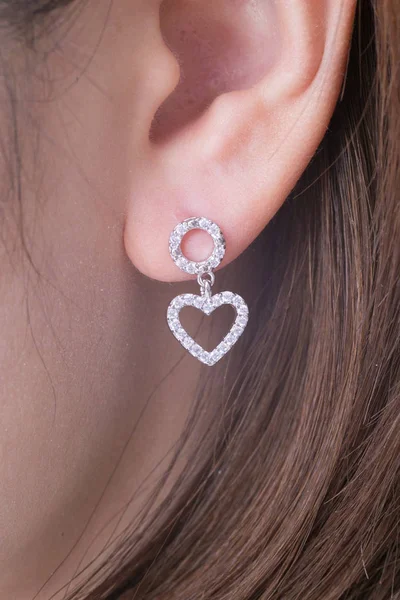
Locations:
(214, 229)
(227, 296)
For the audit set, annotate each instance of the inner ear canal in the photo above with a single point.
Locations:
(221, 46)
(208, 331)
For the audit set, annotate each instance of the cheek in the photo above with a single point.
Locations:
(220, 50)
(66, 378)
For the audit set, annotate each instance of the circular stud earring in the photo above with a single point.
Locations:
(206, 302)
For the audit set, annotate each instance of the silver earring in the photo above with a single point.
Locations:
(206, 302)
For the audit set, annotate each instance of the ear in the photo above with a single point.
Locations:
(259, 82)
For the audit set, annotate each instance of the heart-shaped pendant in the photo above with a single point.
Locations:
(208, 304)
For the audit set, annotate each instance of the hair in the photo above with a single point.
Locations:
(292, 490)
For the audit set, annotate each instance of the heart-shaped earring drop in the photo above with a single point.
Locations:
(205, 302)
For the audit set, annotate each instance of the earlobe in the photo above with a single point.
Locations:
(237, 161)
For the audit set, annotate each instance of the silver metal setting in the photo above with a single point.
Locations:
(206, 302)
(190, 266)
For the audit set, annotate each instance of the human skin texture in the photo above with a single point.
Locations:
(88, 413)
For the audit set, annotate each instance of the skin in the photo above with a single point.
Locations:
(108, 170)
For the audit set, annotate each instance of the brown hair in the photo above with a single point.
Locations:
(293, 488)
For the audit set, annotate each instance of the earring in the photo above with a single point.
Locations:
(206, 302)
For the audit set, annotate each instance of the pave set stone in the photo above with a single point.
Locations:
(207, 305)
(190, 266)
